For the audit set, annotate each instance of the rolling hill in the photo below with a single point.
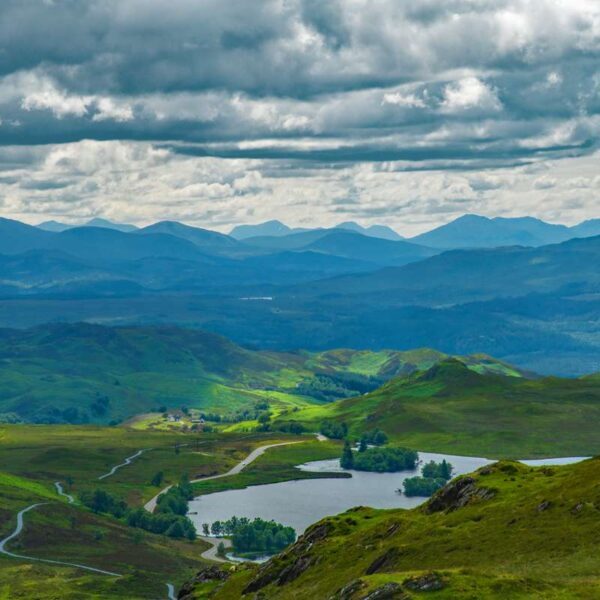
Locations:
(90, 373)
(451, 407)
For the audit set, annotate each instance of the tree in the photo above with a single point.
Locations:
(347, 460)
(362, 445)
(157, 479)
(435, 470)
(216, 528)
(380, 438)
(446, 470)
(176, 530)
(221, 550)
(205, 528)
(264, 417)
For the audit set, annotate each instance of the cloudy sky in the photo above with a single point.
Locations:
(380, 111)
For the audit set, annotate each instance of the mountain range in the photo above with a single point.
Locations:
(535, 305)
(467, 231)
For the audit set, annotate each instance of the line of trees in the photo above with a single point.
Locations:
(168, 519)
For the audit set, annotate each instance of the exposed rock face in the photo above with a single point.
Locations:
(212, 573)
(431, 582)
(389, 591)
(294, 570)
(290, 564)
(458, 494)
(384, 562)
(348, 591)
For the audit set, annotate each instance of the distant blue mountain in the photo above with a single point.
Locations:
(270, 228)
(104, 223)
(57, 226)
(474, 231)
(377, 231)
(211, 241)
(54, 226)
(587, 228)
(279, 229)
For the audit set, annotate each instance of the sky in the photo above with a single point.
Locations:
(218, 113)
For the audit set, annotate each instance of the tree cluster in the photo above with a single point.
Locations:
(379, 460)
(433, 477)
(169, 518)
(333, 430)
(376, 437)
(257, 536)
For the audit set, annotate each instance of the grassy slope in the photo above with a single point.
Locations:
(59, 531)
(34, 457)
(277, 465)
(141, 368)
(450, 408)
(49, 453)
(503, 547)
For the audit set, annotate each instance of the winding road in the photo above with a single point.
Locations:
(210, 554)
(126, 462)
(17, 531)
(150, 506)
(61, 492)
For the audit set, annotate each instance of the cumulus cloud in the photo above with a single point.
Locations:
(469, 93)
(374, 90)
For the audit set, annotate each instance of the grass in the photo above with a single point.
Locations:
(453, 409)
(84, 373)
(80, 454)
(536, 537)
(278, 464)
(69, 533)
(34, 457)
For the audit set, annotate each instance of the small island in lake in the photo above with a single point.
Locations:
(433, 477)
(379, 460)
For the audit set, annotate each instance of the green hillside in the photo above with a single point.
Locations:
(89, 373)
(33, 458)
(452, 408)
(507, 531)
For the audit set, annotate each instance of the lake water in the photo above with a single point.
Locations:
(301, 503)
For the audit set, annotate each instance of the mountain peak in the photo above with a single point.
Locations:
(106, 224)
(273, 228)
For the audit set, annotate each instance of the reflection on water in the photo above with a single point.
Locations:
(301, 503)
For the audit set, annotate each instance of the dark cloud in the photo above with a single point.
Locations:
(363, 81)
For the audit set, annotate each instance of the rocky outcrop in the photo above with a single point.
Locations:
(457, 494)
(290, 564)
(212, 573)
(430, 582)
(384, 562)
(389, 591)
(348, 591)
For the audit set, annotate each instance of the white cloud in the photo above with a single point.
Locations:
(404, 100)
(469, 93)
(41, 93)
